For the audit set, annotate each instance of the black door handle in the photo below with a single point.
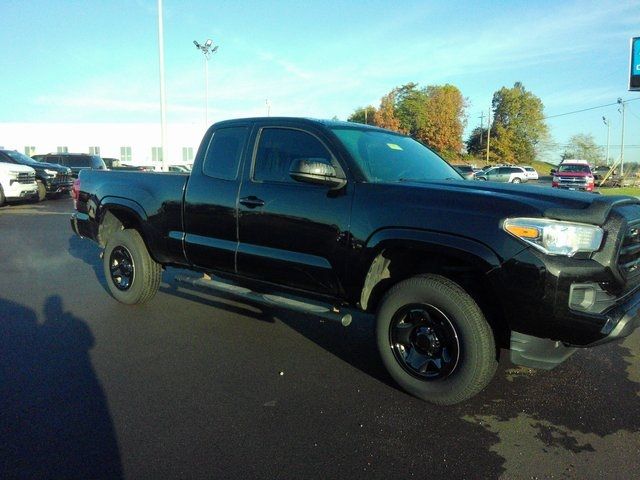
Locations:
(252, 202)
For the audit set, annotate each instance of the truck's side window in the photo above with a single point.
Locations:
(277, 149)
(224, 153)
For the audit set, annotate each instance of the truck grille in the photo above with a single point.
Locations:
(572, 182)
(62, 179)
(629, 257)
(26, 178)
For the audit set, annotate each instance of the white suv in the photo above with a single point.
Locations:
(531, 172)
(17, 182)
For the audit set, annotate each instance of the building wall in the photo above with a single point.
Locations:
(109, 137)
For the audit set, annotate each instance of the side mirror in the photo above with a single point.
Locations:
(552, 171)
(316, 171)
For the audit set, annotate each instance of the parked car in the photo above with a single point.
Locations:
(17, 182)
(465, 170)
(531, 172)
(503, 174)
(573, 175)
(75, 161)
(51, 178)
(332, 218)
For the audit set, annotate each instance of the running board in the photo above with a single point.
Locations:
(325, 311)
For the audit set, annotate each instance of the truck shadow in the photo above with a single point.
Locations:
(55, 418)
(89, 253)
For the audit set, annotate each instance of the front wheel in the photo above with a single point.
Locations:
(434, 340)
(132, 275)
(42, 191)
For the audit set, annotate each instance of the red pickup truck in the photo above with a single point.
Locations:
(574, 175)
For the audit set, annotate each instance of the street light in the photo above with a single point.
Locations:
(607, 122)
(622, 104)
(208, 49)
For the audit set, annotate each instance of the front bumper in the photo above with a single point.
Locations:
(539, 300)
(59, 187)
(21, 191)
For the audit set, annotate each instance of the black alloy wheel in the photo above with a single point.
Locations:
(122, 268)
(424, 341)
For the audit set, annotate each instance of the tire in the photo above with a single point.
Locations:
(453, 330)
(133, 277)
(42, 191)
(516, 180)
(2, 197)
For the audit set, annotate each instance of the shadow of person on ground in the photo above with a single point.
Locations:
(89, 253)
(54, 418)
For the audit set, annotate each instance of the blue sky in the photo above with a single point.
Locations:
(96, 61)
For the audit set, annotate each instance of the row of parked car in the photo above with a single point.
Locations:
(498, 173)
(52, 174)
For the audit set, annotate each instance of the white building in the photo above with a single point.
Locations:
(137, 143)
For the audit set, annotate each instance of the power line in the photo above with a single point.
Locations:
(587, 109)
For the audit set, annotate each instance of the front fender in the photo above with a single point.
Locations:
(383, 244)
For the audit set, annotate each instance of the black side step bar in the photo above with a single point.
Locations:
(324, 311)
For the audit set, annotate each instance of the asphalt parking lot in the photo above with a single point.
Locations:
(192, 385)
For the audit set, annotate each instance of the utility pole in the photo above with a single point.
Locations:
(488, 133)
(163, 99)
(607, 122)
(268, 104)
(481, 117)
(365, 116)
(623, 106)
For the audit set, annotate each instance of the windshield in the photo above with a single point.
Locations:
(575, 168)
(20, 157)
(387, 157)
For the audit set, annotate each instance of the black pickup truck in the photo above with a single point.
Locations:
(342, 220)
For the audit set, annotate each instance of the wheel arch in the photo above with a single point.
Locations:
(400, 254)
(117, 214)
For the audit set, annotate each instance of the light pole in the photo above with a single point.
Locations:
(208, 49)
(163, 100)
(607, 122)
(623, 106)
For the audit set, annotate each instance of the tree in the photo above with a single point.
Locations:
(385, 117)
(518, 124)
(445, 118)
(434, 115)
(363, 115)
(583, 146)
(477, 142)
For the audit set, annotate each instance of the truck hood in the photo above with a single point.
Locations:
(14, 167)
(53, 166)
(501, 200)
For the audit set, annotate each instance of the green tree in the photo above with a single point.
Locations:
(477, 142)
(583, 146)
(518, 124)
(363, 115)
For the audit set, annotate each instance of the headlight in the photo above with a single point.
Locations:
(555, 237)
(13, 175)
(555, 179)
(51, 173)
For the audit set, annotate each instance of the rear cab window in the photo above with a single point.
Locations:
(224, 152)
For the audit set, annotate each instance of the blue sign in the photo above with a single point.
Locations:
(634, 79)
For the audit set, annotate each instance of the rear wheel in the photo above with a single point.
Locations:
(516, 180)
(2, 197)
(434, 340)
(132, 275)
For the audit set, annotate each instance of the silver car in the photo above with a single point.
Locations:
(504, 174)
